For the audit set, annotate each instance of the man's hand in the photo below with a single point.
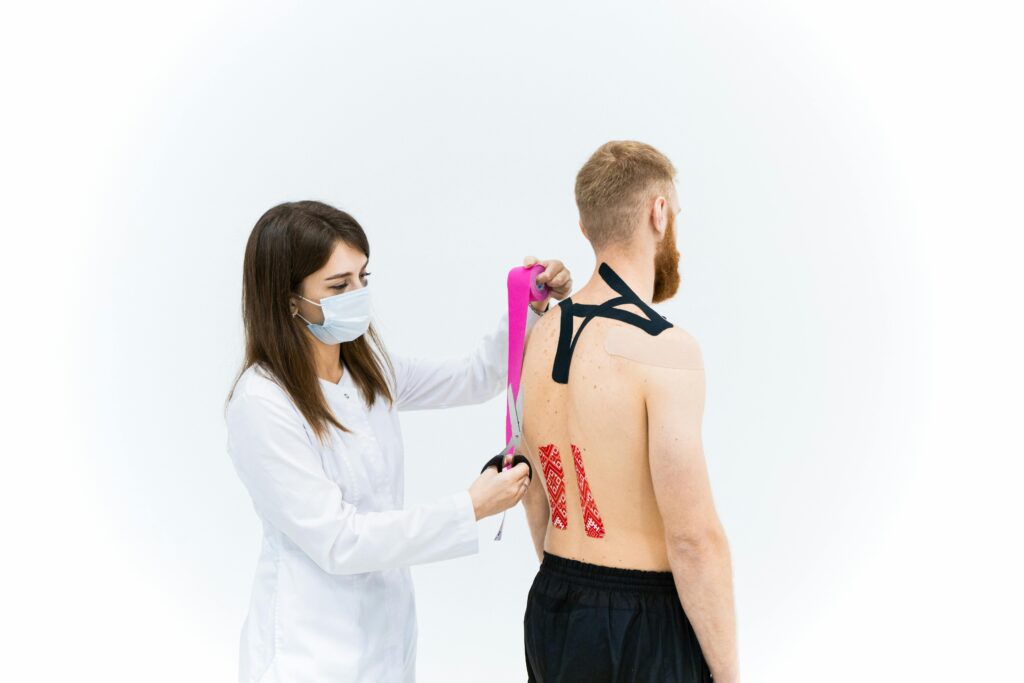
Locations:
(555, 278)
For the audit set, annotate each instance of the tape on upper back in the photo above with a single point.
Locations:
(672, 349)
(650, 321)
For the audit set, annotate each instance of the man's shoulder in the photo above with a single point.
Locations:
(673, 348)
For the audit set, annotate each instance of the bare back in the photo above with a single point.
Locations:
(588, 438)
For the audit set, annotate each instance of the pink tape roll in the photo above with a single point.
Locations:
(522, 289)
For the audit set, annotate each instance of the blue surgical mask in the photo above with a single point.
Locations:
(346, 316)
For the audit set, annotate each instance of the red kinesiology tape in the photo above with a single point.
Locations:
(554, 477)
(592, 523)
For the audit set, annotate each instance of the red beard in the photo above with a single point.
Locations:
(666, 264)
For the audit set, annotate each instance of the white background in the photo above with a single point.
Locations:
(850, 175)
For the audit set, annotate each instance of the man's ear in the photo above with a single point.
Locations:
(659, 214)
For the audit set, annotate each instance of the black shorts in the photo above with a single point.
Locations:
(586, 622)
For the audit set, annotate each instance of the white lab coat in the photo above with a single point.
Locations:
(332, 598)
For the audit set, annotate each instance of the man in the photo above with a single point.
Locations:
(635, 582)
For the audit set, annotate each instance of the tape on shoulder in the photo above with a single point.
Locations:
(674, 348)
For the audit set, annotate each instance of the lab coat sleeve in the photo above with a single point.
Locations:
(423, 383)
(285, 478)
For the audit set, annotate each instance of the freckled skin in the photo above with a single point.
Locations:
(594, 413)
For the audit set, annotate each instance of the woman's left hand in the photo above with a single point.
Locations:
(555, 278)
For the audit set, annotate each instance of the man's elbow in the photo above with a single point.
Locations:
(698, 544)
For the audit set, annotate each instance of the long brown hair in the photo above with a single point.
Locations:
(289, 242)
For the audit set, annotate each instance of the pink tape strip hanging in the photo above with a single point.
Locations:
(522, 290)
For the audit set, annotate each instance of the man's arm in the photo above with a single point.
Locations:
(698, 551)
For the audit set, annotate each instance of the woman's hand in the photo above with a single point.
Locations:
(495, 492)
(556, 278)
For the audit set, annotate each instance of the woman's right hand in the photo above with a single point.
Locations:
(495, 492)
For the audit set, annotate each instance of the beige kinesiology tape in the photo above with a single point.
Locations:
(673, 348)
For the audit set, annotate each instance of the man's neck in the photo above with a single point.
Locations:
(636, 270)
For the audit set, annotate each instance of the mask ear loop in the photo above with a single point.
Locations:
(301, 317)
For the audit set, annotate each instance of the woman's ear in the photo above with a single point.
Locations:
(293, 305)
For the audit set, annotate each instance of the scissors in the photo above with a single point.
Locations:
(515, 412)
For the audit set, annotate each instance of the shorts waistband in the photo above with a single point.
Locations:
(601, 576)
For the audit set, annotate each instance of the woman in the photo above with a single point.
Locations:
(314, 435)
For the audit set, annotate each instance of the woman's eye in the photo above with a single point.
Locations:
(344, 285)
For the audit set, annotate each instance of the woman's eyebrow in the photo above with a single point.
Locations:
(343, 275)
